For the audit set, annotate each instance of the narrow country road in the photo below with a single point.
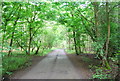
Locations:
(57, 65)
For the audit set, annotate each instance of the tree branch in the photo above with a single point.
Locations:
(85, 17)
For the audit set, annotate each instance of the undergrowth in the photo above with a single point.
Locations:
(14, 62)
(70, 51)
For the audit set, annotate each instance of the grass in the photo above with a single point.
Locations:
(14, 62)
(11, 64)
(17, 60)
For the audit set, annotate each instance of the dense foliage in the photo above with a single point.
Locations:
(86, 27)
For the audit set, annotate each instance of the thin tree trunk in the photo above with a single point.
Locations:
(37, 50)
(11, 41)
(69, 43)
(21, 47)
(30, 32)
(33, 49)
(79, 46)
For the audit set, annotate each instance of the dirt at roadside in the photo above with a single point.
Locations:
(81, 66)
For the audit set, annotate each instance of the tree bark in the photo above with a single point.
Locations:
(96, 17)
(37, 50)
(107, 38)
(75, 43)
(33, 49)
(11, 41)
(30, 39)
(69, 42)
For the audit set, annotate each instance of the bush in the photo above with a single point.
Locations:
(102, 74)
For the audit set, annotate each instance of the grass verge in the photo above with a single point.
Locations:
(14, 62)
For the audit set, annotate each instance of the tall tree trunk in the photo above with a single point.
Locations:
(79, 46)
(75, 43)
(30, 39)
(96, 17)
(30, 32)
(108, 37)
(74, 37)
(11, 41)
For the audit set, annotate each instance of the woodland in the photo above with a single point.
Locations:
(35, 28)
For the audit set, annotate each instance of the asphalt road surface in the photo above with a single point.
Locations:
(57, 65)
